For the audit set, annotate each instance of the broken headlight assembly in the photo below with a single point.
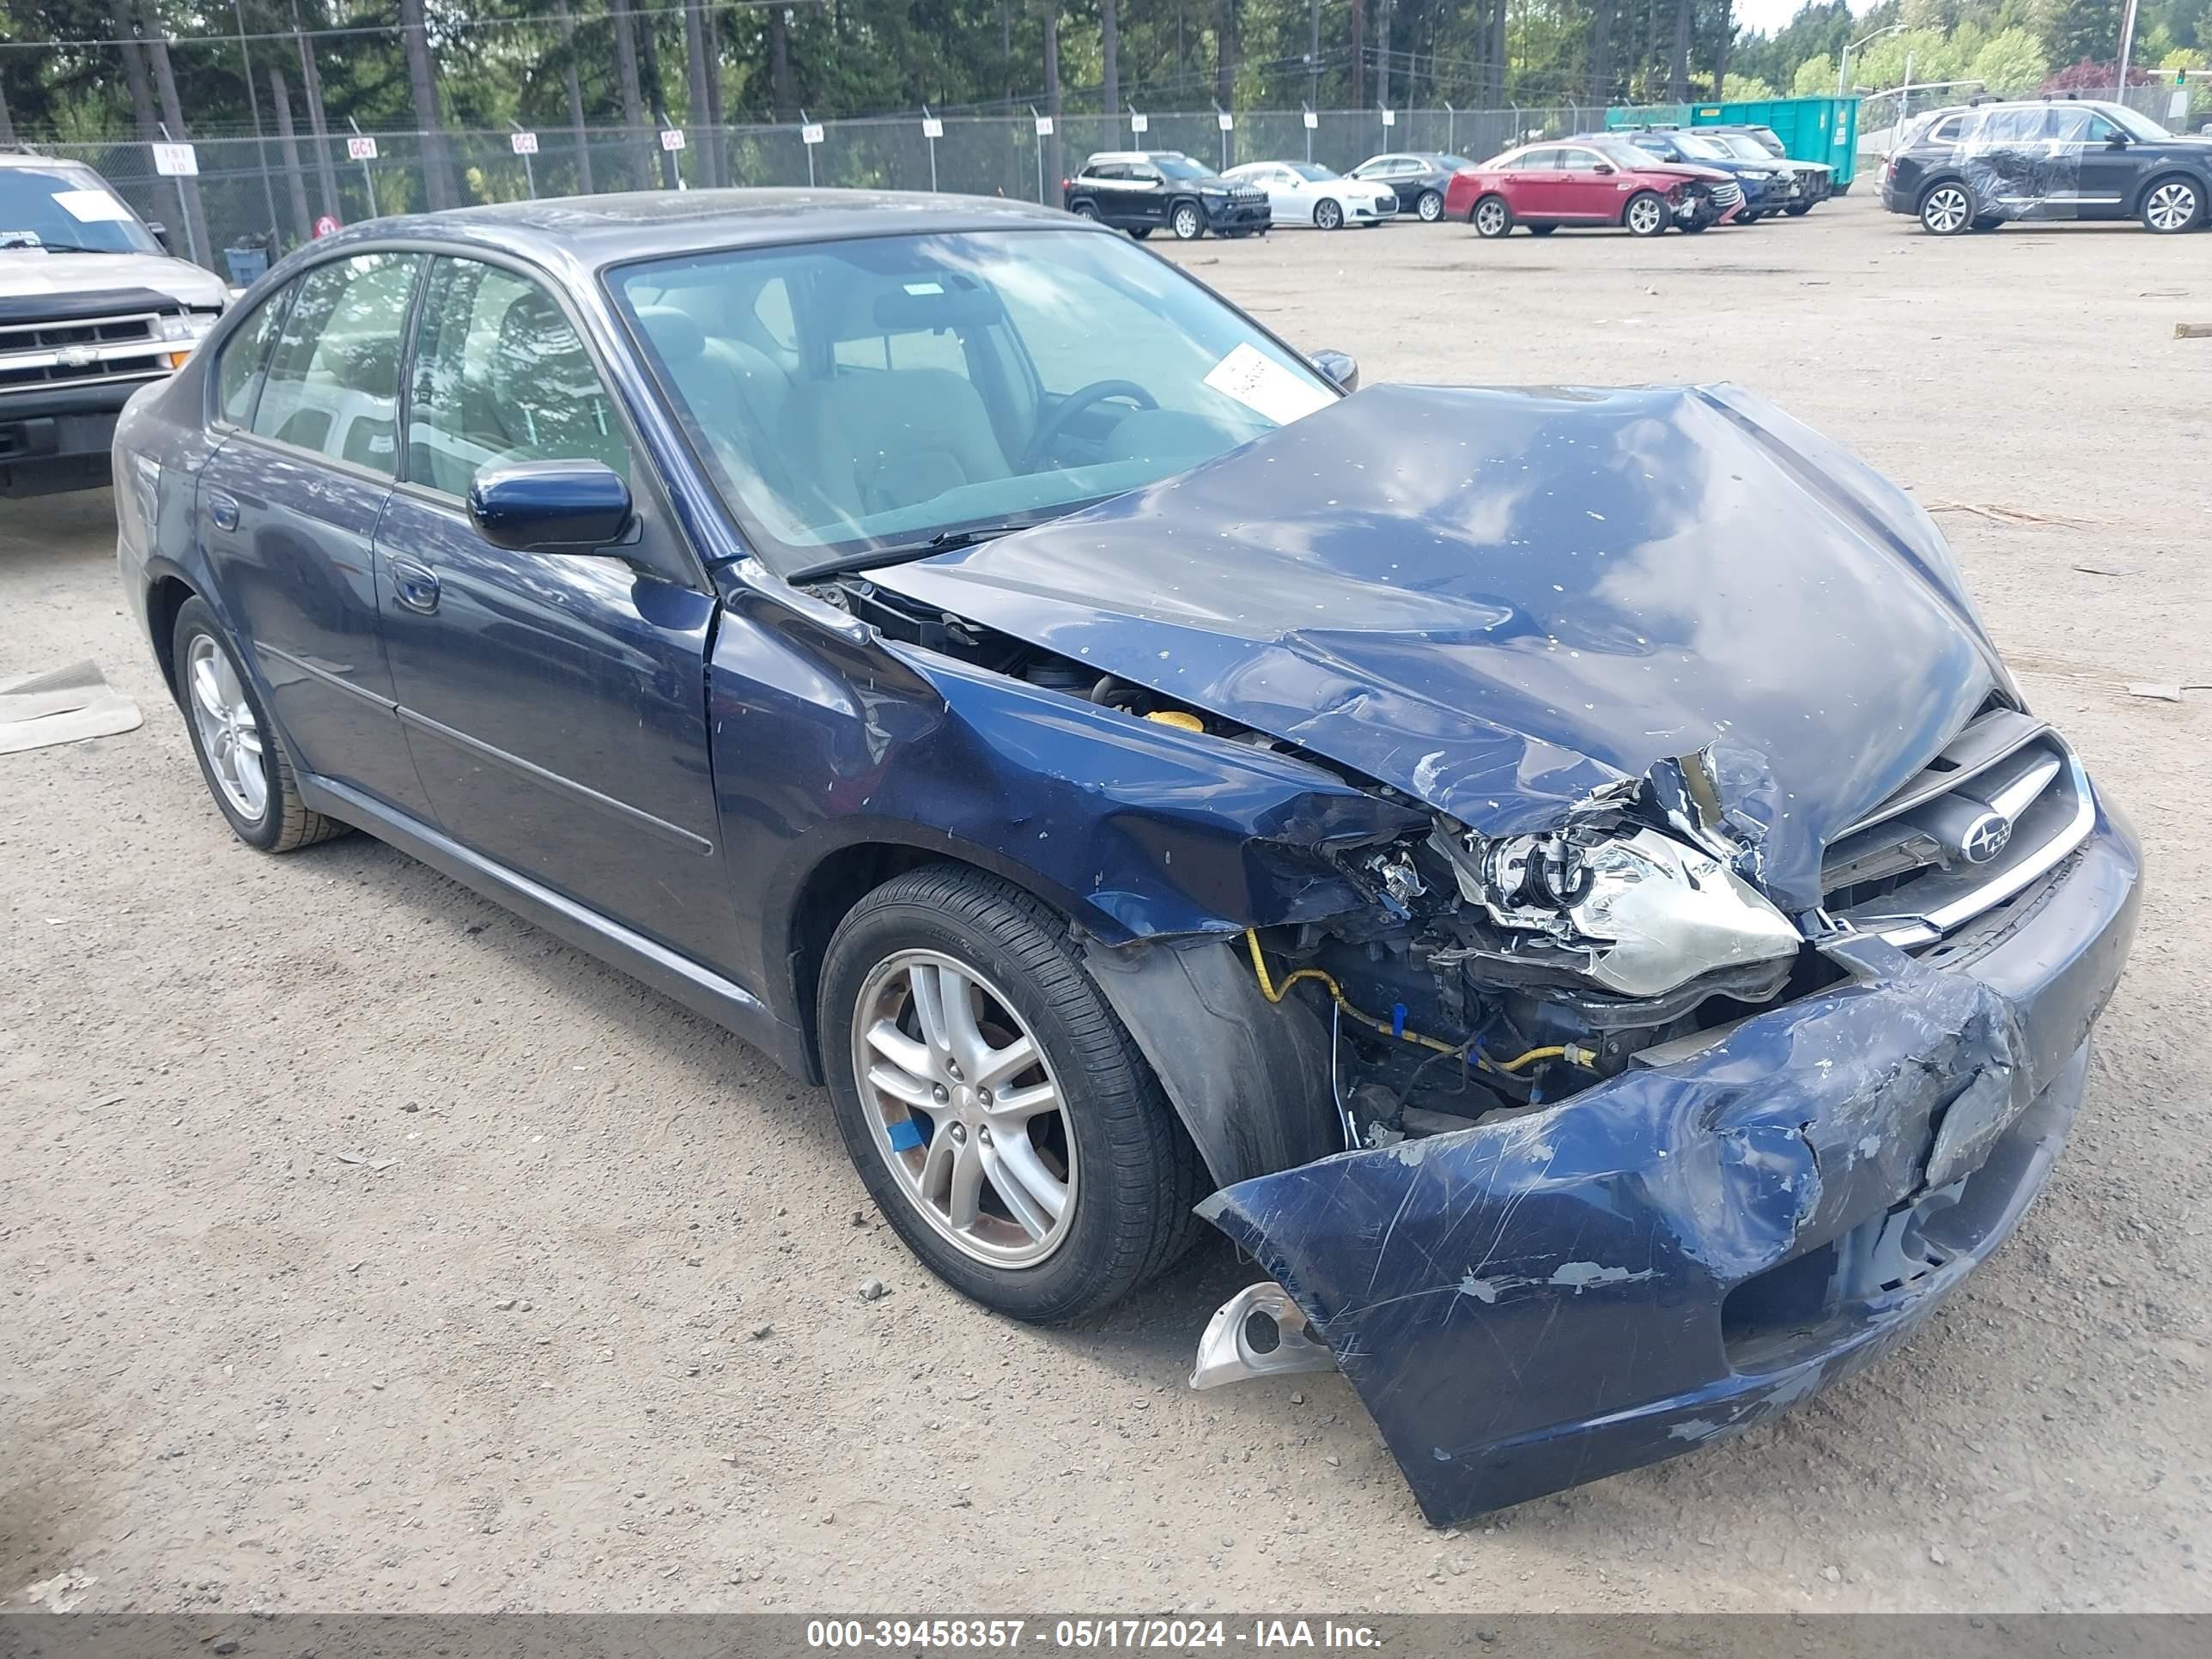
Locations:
(1629, 909)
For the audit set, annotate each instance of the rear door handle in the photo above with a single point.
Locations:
(414, 586)
(222, 510)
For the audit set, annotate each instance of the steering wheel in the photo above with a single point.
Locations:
(1082, 398)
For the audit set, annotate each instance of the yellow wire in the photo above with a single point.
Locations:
(1275, 994)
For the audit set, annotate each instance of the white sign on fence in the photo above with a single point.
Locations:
(523, 143)
(360, 148)
(1140, 124)
(1389, 117)
(931, 127)
(810, 133)
(1227, 121)
(176, 161)
(1044, 126)
(2177, 107)
(672, 138)
(1312, 120)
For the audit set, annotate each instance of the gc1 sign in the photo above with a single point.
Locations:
(931, 127)
(1140, 124)
(360, 148)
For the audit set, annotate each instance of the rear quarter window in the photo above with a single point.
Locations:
(245, 360)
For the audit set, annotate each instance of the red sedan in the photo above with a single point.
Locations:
(1590, 181)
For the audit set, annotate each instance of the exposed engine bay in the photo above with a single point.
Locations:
(1491, 974)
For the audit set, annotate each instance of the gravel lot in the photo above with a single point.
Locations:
(364, 1248)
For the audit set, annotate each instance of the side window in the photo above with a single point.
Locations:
(1946, 131)
(333, 376)
(500, 375)
(1578, 160)
(1108, 170)
(246, 358)
(1541, 160)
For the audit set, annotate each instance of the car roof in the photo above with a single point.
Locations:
(31, 158)
(1135, 155)
(584, 233)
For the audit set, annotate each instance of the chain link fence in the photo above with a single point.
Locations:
(270, 192)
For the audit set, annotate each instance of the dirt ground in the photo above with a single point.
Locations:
(364, 1248)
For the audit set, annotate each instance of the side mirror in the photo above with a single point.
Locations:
(550, 507)
(161, 233)
(2118, 140)
(1602, 167)
(1340, 369)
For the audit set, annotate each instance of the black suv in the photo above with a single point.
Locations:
(1973, 169)
(1141, 190)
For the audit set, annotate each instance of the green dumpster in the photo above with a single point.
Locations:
(1825, 130)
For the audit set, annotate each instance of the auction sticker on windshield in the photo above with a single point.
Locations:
(1265, 386)
(89, 207)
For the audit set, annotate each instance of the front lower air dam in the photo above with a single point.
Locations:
(1690, 1247)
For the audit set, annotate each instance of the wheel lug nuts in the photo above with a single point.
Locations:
(952, 1070)
(958, 1133)
(982, 1096)
(939, 1093)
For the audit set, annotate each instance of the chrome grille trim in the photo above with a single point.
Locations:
(2003, 762)
(123, 345)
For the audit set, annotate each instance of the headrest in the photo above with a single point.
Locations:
(674, 335)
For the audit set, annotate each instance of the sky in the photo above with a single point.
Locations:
(1766, 16)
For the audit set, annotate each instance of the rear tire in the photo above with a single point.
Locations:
(1141, 231)
(1646, 214)
(1127, 1173)
(1948, 209)
(241, 757)
(1491, 218)
(1188, 223)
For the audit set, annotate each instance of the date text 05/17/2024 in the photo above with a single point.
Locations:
(1080, 1635)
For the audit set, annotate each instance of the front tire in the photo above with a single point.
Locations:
(1328, 215)
(240, 756)
(999, 1112)
(1141, 231)
(2172, 205)
(1188, 223)
(1798, 209)
(1948, 209)
(1430, 206)
(1085, 208)
(1646, 214)
(1491, 218)
(1541, 230)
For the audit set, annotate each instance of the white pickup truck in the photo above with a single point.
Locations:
(92, 307)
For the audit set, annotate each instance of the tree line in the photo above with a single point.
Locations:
(90, 70)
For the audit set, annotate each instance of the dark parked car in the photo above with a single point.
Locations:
(1765, 182)
(1590, 182)
(1615, 981)
(1418, 177)
(1975, 169)
(1140, 190)
(1817, 178)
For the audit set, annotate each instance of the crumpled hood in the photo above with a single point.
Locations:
(27, 271)
(1497, 601)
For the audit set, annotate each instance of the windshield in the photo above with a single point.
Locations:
(2134, 123)
(854, 400)
(1623, 154)
(1180, 167)
(1705, 148)
(68, 211)
(1743, 147)
(1313, 171)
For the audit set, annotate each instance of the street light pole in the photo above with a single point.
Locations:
(1843, 64)
(2127, 47)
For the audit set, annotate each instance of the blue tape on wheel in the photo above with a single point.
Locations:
(905, 1136)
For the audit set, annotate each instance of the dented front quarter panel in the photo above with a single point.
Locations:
(1535, 1302)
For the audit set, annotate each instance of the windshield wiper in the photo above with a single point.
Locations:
(944, 541)
(68, 248)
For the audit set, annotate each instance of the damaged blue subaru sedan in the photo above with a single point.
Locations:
(1560, 877)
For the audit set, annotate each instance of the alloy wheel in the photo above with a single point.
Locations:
(1946, 210)
(2172, 206)
(965, 1110)
(1327, 216)
(1644, 215)
(1430, 207)
(1490, 218)
(229, 736)
(1186, 225)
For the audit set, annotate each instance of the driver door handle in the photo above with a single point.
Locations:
(415, 585)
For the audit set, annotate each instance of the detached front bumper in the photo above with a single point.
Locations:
(1692, 1247)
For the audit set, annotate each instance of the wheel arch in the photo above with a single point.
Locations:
(167, 592)
(2202, 183)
